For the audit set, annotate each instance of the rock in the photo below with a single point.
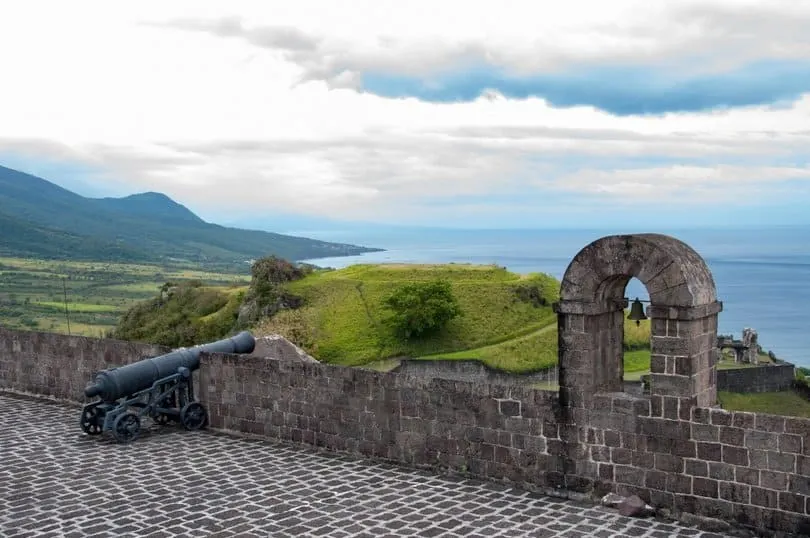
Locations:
(635, 507)
(749, 338)
(612, 499)
(708, 524)
(278, 347)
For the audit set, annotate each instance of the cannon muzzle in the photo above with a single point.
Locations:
(127, 380)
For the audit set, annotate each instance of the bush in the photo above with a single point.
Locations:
(422, 308)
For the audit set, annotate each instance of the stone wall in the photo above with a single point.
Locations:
(752, 469)
(471, 370)
(747, 468)
(60, 366)
(487, 430)
(765, 378)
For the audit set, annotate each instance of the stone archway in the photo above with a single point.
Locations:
(683, 311)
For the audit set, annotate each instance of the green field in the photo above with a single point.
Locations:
(787, 402)
(32, 292)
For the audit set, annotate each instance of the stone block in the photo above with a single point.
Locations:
(625, 474)
(799, 484)
(666, 345)
(791, 502)
(621, 456)
(766, 498)
(705, 432)
(730, 435)
(714, 508)
(798, 426)
(721, 417)
(696, 467)
(736, 493)
(790, 443)
(643, 460)
(701, 415)
(668, 463)
(721, 471)
(761, 440)
(773, 480)
(782, 462)
(678, 484)
(735, 455)
(671, 385)
(704, 487)
(744, 420)
(710, 451)
(746, 475)
(803, 465)
(770, 423)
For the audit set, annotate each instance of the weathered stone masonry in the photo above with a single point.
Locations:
(671, 448)
(712, 463)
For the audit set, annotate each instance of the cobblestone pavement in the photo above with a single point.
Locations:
(56, 481)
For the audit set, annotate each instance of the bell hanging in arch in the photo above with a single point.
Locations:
(637, 312)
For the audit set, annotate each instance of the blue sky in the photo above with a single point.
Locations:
(619, 90)
(580, 114)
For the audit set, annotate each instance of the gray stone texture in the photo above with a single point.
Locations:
(57, 482)
(762, 378)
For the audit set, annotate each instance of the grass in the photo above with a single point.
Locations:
(534, 351)
(32, 291)
(787, 403)
(77, 307)
(343, 321)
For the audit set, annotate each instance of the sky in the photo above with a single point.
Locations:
(654, 113)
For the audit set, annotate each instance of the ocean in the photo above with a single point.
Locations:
(762, 275)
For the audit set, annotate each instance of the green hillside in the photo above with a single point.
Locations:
(343, 320)
(340, 317)
(39, 219)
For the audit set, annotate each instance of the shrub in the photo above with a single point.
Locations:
(421, 308)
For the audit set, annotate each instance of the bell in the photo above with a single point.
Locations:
(637, 312)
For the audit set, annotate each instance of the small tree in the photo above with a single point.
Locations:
(422, 308)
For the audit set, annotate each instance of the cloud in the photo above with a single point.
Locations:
(641, 58)
(237, 109)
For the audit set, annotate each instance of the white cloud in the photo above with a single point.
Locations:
(217, 120)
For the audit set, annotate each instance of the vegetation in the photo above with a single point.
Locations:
(32, 292)
(786, 402)
(419, 309)
(343, 319)
(183, 314)
(267, 294)
(41, 220)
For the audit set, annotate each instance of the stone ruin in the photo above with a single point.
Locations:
(751, 353)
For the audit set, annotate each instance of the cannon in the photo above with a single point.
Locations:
(160, 388)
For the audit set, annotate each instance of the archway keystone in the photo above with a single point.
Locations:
(683, 311)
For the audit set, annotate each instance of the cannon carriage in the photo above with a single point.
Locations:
(161, 388)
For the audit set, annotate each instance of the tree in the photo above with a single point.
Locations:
(422, 308)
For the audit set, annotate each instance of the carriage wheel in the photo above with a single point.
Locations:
(126, 427)
(193, 416)
(161, 419)
(91, 421)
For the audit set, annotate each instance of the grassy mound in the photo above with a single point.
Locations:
(538, 350)
(344, 321)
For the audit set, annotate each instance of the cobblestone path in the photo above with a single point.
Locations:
(56, 481)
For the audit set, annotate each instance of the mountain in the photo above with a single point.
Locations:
(41, 219)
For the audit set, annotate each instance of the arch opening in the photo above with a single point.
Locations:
(680, 300)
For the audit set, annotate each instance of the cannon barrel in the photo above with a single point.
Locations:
(127, 380)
